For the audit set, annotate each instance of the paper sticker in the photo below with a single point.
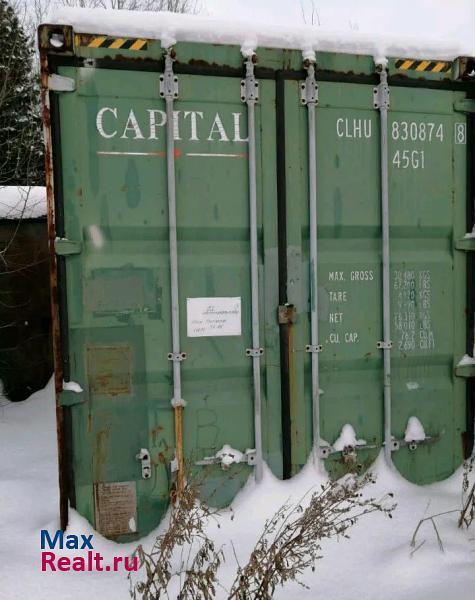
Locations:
(116, 508)
(209, 317)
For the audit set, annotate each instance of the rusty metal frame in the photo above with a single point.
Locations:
(44, 36)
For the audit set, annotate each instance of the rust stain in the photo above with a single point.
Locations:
(56, 337)
(109, 369)
(154, 432)
(293, 393)
(100, 454)
(180, 476)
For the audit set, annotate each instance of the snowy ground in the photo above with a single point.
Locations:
(375, 563)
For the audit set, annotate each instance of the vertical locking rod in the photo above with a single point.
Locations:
(250, 95)
(169, 91)
(381, 102)
(309, 97)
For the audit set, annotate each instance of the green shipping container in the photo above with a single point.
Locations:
(254, 259)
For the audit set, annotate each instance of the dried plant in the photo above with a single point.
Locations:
(185, 558)
(184, 555)
(467, 514)
(432, 519)
(291, 541)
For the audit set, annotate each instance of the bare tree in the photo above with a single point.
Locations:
(40, 8)
(179, 6)
(309, 13)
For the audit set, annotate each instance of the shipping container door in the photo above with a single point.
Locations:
(427, 215)
(428, 197)
(117, 333)
(215, 274)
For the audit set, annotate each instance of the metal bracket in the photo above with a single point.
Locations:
(59, 83)
(464, 106)
(324, 451)
(381, 92)
(168, 80)
(349, 453)
(414, 444)
(65, 247)
(313, 349)
(248, 457)
(250, 85)
(466, 371)
(286, 314)
(253, 352)
(384, 345)
(70, 398)
(466, 244)
(144, 457)
(309, 88)
(176, 356)
(180, 403)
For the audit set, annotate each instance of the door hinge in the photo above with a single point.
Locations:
(381, 94)
(70, 398)
(466, 244)
(465, 370)
(250, 85)
(464, 106)
(309, 88)
(65, 247)
(168, 80)
(59, 83)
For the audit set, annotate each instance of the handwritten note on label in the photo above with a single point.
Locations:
(209, 317)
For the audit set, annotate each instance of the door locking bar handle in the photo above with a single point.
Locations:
(144, 457)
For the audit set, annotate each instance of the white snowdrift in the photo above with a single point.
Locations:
(376, 562)
(22, 202)
(171, 27)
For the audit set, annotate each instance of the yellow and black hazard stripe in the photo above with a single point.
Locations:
(431, 66)
(111, 43)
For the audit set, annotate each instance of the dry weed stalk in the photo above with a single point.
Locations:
(183, 556)
(467, 514)
(291, 540)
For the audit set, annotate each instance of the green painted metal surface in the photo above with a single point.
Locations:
(113, 156)
(427, 214)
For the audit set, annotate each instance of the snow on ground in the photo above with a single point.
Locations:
(22, 202)
(375, 563)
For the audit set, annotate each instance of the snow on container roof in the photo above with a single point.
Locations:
(22, 202)
(170, 28)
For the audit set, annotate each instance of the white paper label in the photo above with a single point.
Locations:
(209, 317)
